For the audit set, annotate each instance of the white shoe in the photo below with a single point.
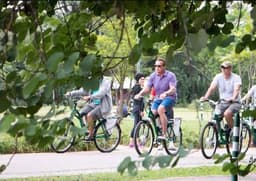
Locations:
(161, 138)
(160, 147)
(171, 146)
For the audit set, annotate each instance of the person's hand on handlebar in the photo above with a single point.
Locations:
(86, 98)
(137, 96)
(203, 99)
(67, 94)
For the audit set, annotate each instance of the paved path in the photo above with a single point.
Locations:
(71, 163)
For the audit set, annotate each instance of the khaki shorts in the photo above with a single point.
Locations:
(93, 109)
(223, 106)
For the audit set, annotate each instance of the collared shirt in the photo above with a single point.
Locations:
(162, 83)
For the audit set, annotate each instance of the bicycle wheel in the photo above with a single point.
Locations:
(244, 139)
(208, 140)
(107, 139)
(143, 138)
(65, 139)
(173, 144)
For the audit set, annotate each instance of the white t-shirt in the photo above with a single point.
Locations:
(252, 94)
(226, 86)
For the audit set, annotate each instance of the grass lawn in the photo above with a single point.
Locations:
(142, 175)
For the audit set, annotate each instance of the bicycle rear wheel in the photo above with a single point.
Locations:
(208, 140)
(107, 139)
(244, 139)
(65, 139)
(173, 144)
(143, 138)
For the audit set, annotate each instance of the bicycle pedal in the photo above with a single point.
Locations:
(156, 144)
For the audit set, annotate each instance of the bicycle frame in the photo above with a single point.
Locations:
(219, 122)
(75, 113)
(157, 131)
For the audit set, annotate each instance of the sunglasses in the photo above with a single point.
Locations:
(158, 65)
(224, 67)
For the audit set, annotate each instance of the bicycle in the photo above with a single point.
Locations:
(216, 133)
(245, 132)
(147, 131)
(106, 134)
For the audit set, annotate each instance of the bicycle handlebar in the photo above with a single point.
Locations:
(74, 98)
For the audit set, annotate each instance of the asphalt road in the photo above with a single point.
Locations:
(73, 163)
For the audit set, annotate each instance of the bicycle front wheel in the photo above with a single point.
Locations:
(65, 139)
(107, 139)
(208, 140)
(173, 144)
(143, 138)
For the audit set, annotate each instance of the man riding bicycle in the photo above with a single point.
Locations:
(164, 83)
(229, 85)
(100, 104)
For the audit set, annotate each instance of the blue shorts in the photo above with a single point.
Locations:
(167, 102)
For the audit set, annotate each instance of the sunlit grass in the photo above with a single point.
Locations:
(142, 175)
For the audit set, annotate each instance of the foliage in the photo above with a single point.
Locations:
(148, 162)
(48, 47)
(233, 166)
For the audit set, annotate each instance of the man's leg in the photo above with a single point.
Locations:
(90, 123)
(228, 115)
(93, 115)
(154, 108)
(229, 112)
(165, 104)
(161, 111)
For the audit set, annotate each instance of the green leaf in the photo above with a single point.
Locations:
(54, 60)
(48, 89)
(31, 86)
(132, 169)
(164, 161)
(169, 54)
(226, 166)
(69, 64)
(45, 140)
(11, 76)
(78, 131)
(198, 41)
(19, 124)
(22, 26)
(247, 38)
(5, 122)
(31, 130)
(240, 47)
(252, 45)
(245, 171)
(87, 64)
(5, 103)
(124, 165)
(220, 158)
(2, 168)
(227, 28)
(134, 55)
(147, 162)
